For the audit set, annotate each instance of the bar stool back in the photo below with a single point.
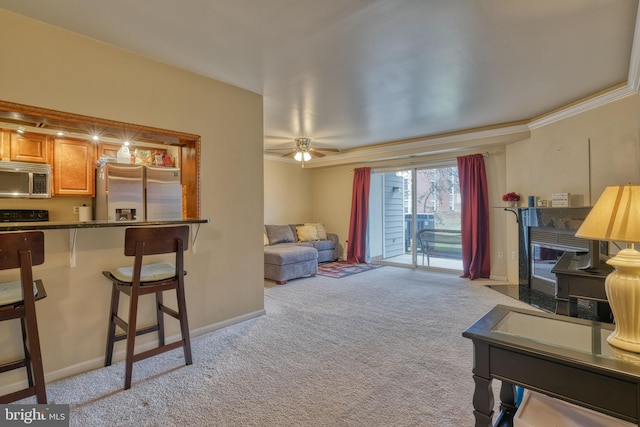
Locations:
(143, 279)
(17, 301)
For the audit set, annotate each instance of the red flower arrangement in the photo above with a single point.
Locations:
(511, 197)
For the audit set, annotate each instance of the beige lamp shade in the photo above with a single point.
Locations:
(615, 216)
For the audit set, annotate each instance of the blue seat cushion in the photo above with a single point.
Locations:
(148, 273)
(11, 292)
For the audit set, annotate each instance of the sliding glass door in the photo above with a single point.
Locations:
(405, 202)
(390, 207)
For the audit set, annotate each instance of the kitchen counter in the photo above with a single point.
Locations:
(62, 225)
(74, 226)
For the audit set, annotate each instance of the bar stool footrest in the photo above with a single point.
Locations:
(171, 312)
(158, 350)
(10, 366)
(19, 395)
(139, 332)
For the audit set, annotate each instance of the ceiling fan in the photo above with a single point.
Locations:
(303, 152)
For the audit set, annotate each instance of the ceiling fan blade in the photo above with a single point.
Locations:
(316, 153)
(328, 150)
(291, 154)
(277, 138)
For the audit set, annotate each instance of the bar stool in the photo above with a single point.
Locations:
(17, 301)
(143, 279)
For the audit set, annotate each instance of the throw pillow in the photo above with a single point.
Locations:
(307, 233)
(266, 239)
(279, 234)
(322, 232)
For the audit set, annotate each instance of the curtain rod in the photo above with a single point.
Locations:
(424, 162)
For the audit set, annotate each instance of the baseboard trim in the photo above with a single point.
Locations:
(98, 362)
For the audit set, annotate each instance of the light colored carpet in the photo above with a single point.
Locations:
(379, 348)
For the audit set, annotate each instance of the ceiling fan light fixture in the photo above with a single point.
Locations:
(298, 156)
(306, 156)
(303, 143)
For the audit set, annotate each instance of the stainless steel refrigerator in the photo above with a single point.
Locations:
(137, 193)
(119, 192)
(163, 193)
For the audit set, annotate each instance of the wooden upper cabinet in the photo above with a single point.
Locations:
(73, 167)
(29, 147)
(147, 154)
(108, 149)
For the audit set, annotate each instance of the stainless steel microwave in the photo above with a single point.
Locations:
(25, 180)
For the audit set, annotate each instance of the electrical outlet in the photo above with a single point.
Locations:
(76, 210)
(500, 255)
(513, 254)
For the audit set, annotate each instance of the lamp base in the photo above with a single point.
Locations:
(623, 292)
(622, 344)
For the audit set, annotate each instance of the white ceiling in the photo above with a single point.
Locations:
(354, 74)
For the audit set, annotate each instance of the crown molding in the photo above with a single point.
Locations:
(633, 79)
(426, 146)
(583, 106)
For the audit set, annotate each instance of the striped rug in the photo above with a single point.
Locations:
(341, 269)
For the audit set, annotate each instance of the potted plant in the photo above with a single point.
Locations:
(511, 199)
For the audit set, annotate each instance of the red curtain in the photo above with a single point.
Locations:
(357, 243)
(475, 217)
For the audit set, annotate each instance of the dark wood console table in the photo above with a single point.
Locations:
(573, 283)
(563, 357)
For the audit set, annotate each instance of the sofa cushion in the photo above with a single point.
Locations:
(289, 254)
(279, 234)
(307, 233)
(321, 230)
(324, 245)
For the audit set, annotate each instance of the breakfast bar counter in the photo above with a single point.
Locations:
(74, 226)
(64, 225)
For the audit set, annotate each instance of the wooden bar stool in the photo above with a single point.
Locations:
(17, 301)
(143, 279)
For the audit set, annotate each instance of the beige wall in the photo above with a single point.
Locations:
(290, 193)
(55, 69)
(556, 157)
(332, 188)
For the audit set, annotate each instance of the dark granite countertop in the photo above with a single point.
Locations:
(62, 225)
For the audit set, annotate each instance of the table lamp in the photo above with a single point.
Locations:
(616, 217)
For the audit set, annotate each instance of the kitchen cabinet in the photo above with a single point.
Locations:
(73, 167)
(29, 147)
(107, 149)
(146, 154)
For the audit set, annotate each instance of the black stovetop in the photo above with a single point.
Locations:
(23, 215)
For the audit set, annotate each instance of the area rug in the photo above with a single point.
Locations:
(341, 269)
